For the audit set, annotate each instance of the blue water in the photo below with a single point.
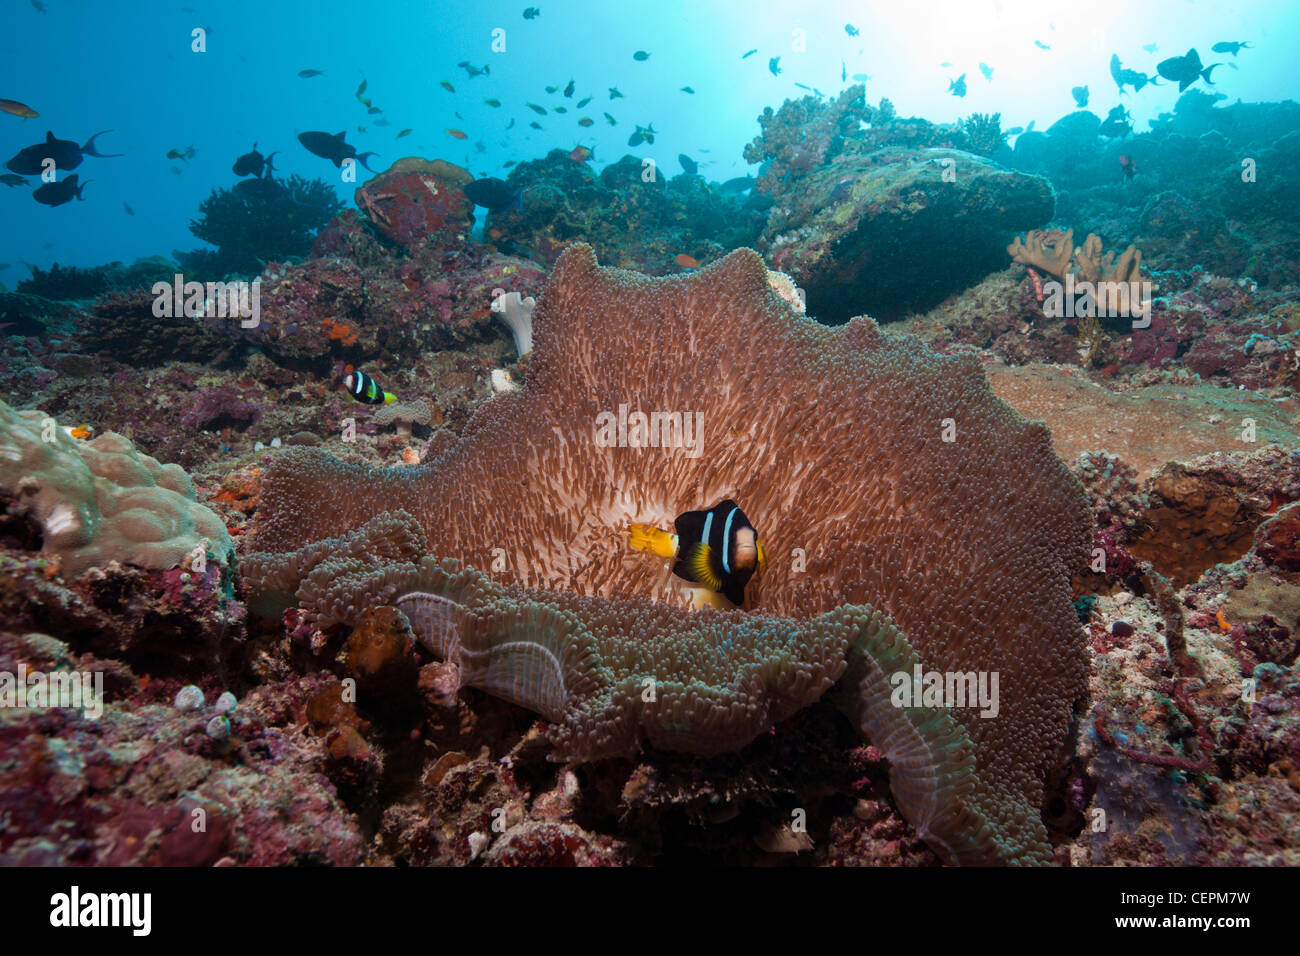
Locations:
(129, 67)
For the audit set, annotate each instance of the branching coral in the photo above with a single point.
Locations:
(983, 133)
(967, 545)
(1054, 251)
(258, 221)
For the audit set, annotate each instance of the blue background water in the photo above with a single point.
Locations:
(128, 66)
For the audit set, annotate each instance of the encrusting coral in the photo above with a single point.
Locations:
(102, 500)
(833, 440)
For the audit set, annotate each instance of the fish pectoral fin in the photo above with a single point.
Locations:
(698, 559)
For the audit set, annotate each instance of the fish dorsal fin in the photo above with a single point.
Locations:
(690, 526)
(340, 134)
(49, 137)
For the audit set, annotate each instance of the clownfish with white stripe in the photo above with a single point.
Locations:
(717, 549)
(365, 389)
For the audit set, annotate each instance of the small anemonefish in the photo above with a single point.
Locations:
(718, 548)
(365, 389)
(80, 432)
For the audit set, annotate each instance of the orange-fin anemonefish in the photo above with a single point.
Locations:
(718, 548)
(365, 389)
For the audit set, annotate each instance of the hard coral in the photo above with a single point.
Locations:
(102, 501)
(923, 529)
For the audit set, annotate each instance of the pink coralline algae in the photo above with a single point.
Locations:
(144, 784)
(213, 409)
(419, 204)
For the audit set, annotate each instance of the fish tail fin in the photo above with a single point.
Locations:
(389, 398)
(80, 187)
(644, 537)
(1205, 74)
(762, 555)
(89, 147)
(361, 158)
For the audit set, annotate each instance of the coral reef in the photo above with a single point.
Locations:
(71, 282)
(631, 214)
(258, 221)
(144, 784)
(113, 325)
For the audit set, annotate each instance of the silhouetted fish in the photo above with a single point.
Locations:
(738, 186)
(65, 153)
(1080, 94)
(1117, 123)
(957, 87)
(494, 195)
(1122, 77)
(1227, 47)
(253, 164)
(1186, 69)
(689, 166)
(56, 194)
(334, 148)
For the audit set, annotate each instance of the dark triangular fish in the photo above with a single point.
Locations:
(334, 148)
(494, 195)
(1122, 77)
(251, 163)
(689, 166)
(737, 186)
(56, 194)
(1080, 94)
(65, 153)
(1186, 69)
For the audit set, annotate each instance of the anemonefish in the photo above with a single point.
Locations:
(365, 389)
(718, 548)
